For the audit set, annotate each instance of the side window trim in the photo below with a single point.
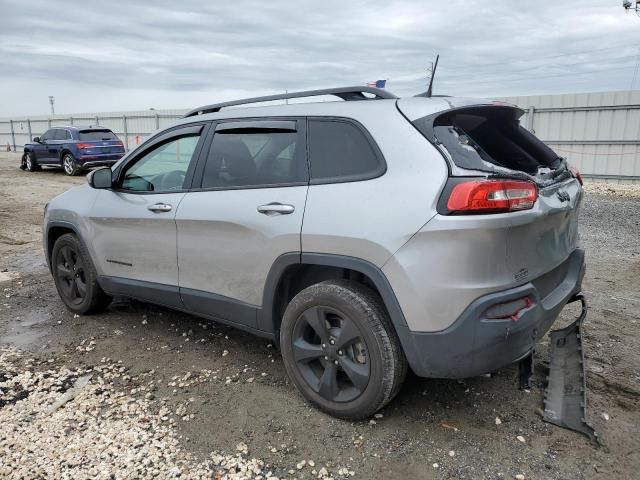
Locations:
(378, 172)
(259, 125)
(199, 129)
(283, 124)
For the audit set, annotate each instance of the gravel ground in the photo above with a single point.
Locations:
(145, 392)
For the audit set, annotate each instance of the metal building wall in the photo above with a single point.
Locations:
(598, 132)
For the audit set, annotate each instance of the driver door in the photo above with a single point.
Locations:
(133, 224)
(41, 149)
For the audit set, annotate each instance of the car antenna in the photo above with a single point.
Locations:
(432, 76)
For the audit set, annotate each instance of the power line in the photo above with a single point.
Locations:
(530, 59)
(528, 69)
(572, 74)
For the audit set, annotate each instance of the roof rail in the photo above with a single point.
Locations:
(345, 93)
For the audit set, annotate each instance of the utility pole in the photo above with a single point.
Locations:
(52, 101)
(432, 74)
(629, 5)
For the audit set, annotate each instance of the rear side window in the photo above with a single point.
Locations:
(96, 135)
(340, 151)
(255, 157)
(488, 139)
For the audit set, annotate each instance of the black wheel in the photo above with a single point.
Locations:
(70, 165)
(340, 349)
(29, 162)
(75, 277)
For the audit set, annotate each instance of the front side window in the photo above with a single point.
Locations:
(255, 158)
(340, 151)
(48, 135)
(163, 169)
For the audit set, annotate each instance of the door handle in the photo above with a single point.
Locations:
(159, 207)
(276, 208)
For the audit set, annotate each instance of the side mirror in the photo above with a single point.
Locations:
(36, 139)
(100, 178)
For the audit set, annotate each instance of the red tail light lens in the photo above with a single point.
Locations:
(84, 146)
(492, 196)
(576, 173)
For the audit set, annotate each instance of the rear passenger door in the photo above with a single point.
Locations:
(245, 211)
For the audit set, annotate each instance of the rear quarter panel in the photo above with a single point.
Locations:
(371, 219)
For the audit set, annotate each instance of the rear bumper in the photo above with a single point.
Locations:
(474, 345)
(106, 159)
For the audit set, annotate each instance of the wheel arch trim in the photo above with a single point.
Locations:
(48, 245)
(266, 317)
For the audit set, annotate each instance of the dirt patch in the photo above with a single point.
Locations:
(221, 387)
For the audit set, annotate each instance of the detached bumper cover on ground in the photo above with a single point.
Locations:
(565, 400)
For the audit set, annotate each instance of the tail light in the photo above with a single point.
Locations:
(492, 196)
(119, 144)
(84, 146)
(511, 309)
(576, 173)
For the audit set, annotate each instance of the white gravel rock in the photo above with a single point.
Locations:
(102, 432)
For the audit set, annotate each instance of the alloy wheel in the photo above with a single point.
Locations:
(70, 270)
(67, 162)
(331, 354)
(28, 161)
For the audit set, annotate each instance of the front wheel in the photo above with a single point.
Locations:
(29, 163)
(75, 277)
(340, 349)
(69, 165)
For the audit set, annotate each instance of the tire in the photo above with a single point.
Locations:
(69, 165)
(29, 162)
(328, 312)
(75, 276)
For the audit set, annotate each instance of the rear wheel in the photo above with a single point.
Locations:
(69, 164)
(75, 277)
(340, 349)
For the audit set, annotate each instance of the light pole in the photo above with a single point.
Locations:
(52, 101)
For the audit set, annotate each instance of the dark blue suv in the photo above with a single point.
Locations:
(73, 148)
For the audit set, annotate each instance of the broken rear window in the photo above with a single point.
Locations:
(488, 139)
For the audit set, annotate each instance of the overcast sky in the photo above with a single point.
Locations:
(118, 55)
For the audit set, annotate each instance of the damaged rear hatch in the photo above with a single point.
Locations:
(486, 142)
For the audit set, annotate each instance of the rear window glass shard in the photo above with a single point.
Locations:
(489, 139)
(96, 135)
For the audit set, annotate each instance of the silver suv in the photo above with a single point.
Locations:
(364, 236)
